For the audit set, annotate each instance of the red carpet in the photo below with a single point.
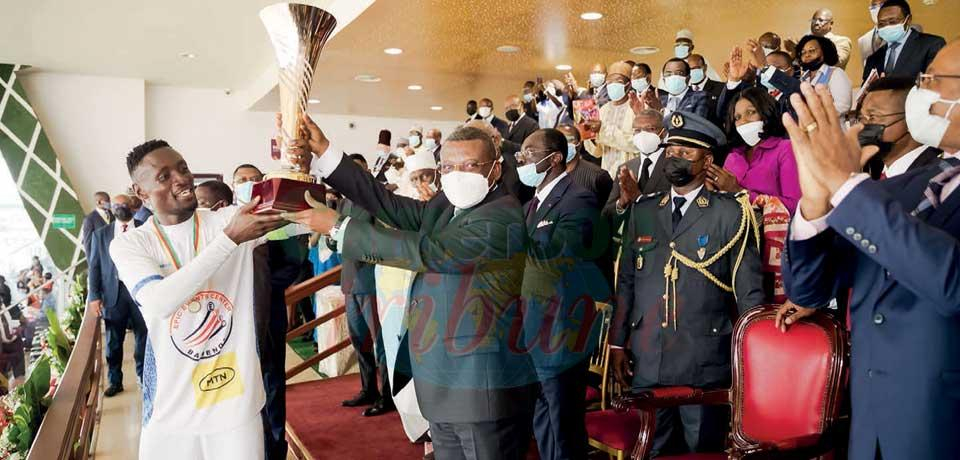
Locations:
(329, 430)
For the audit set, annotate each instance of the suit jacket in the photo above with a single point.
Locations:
(787, 85)
(561, 281)
(930, 155)
(463, 350)
(657, 183)
(694, 101)
(691, 345)
(904, 310)
(713, 89)
(91, 222)
(103, 283)
(915, 55)
(501, 126)
(357, 277)
(523, 127)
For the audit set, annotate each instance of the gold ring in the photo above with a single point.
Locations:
(811, 127)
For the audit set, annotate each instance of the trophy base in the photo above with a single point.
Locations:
(281, 194)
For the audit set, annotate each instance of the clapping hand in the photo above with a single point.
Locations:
(629, 188)
(651, 100)
(722, 180)
(826, 157)
(319, 218)
(635, 103)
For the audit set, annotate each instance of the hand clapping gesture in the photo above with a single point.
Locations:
(629, 188)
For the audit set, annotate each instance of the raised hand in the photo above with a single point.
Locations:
(757, 58)
(738, 68)
(629, 188)
(246, 226)
(635, 103)
(651, 100)
(426, 193)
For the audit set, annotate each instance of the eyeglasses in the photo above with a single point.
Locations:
(926, 79)
(469, 166)
(872, 119)
(524, 156)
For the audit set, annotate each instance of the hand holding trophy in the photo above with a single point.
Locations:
(298, 33)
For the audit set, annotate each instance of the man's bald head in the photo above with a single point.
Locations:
(123, 199)
(822, 22)
(769, 40)
(571, 132)
(511, 102)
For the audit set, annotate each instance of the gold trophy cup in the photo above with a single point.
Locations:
(298, 33)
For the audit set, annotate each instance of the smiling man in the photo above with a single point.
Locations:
(191, 272)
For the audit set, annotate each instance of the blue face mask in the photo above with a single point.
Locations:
(892, 34)
(681, 51)
(640, 84)
(243, 192)
(697, 76)
(529, 175)
(527, 97)
(616, 91)
(571, 151)
(675, 84)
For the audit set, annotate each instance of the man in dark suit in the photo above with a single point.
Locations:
(699, 82)
(680, 335)
(897, 242)
(561, 284)
(885, 127)
(99, 217)
(107, 295)
(906, 52)
(677, 95)
(508, 162)
(588, 176)
(359, 288)
(486, 114)
(466, 245)
(520, 124)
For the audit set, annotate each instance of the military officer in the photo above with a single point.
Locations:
(690, 261)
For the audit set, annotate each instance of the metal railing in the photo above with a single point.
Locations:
(300, 291)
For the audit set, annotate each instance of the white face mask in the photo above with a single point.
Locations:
(465, 190)
(484, 112)
(597, 79)
(430, 143)
(925, 127)
(646, 142)
(243, 192)
(750, 132)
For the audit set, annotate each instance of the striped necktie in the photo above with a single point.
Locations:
(949, 168)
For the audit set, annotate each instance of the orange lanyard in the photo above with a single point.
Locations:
(168, 246)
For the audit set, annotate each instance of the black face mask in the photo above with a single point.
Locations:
(512, 115)
(679, 171)
(872, 134)
(122, 213)
(811, 66)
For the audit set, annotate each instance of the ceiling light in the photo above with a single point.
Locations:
(564, 67)
(313, 101)
(508, 49)
(393, 51)
(367, 78)
(591, 16)
(436, 108)
(643, 50)
(415, 87)
(186, 55)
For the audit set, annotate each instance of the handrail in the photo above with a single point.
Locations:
(300, 291)
(305, 289)
(67, 426)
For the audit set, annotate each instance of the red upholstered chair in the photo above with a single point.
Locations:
(786, 393)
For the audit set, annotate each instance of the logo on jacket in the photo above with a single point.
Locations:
(201, 327)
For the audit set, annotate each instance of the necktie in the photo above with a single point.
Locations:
(891, 59)
(949, 168)
(123, 228)
(775, 93)
(532, 211)
(644, 173)
(677, 214)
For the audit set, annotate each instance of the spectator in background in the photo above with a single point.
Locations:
(99, 217)
(471, 111)
(821, 25)
(615, 126)
(521, 124)
(818, 60)
(5, 294)
(906, 52)
(431, 142)
(486, 114)
(213, 195)
(585, 174)
(244, 176)
(140, 211)
(676, 94)
(770, 42)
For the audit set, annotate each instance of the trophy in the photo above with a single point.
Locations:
(298, 33)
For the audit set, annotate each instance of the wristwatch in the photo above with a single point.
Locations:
(336, 227)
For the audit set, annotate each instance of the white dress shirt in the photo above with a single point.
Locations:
(543, 193)
(900, 165)
(103, 214)
(690, 196)
(118, 226)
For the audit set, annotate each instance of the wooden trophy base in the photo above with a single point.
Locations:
(285, 195)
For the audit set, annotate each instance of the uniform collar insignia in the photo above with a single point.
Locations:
(664, 200)
(702, 202)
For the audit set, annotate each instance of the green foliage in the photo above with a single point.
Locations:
(32, 404)
(57, 343)
(76, 307)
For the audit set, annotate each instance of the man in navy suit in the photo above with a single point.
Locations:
(561, 283)
(99, 217)
(897, 242)
(906, 52)
(110, 298)
(676, 94)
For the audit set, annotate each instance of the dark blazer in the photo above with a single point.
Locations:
(142, 215)
(781, 81)
(917, 53)
(103, 284)
(712, 89)
(694, 347)
(592, 178)
(463, 352)
(905, 335)
(694, 101)
(501, 125)
(523, 127)
(356, 277)
(931, 155)
(657, 183)
(91, 222)
(561, 281)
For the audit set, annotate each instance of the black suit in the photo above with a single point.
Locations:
(520, 129)
(92, 222)
(713, 89)
(501, 125)
(473, 384)
(916, 53)
(118, 306)
(561, 283)
(929, 156)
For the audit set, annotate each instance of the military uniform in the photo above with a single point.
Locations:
(681, 285)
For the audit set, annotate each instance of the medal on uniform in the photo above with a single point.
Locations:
(702, 241)
(639, 261)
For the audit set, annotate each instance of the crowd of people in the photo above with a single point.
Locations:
(636, 217)
(23, 318)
